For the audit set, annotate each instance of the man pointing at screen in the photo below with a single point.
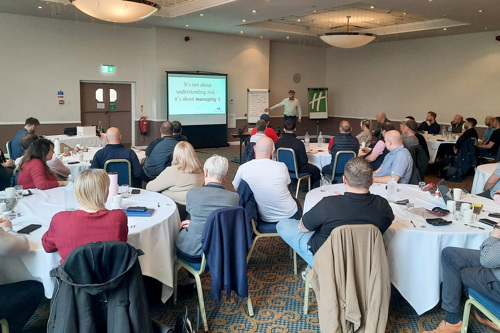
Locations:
(292, 108)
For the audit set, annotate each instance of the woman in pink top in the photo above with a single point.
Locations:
(34, 170)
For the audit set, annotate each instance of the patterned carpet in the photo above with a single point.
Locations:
(276, 293)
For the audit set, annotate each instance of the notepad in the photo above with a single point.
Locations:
(146, 213)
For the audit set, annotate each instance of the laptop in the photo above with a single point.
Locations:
(447, 194)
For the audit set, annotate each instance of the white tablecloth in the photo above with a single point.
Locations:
(433, 145)
(414, 253)
(154, 235)
(483, 172)
(319, 158)
(84, 141)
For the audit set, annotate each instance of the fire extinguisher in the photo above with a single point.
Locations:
(144, 125)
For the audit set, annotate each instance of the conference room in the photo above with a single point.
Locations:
(436, 56)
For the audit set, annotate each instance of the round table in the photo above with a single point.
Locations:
(433, 144)
(154, 235)
(483, 172)
(83, 141)
(319, 156)
(414, 249)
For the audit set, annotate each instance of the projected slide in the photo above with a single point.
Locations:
(197, 99)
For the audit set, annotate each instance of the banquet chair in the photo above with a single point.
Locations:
(341, 158)
(420, 160)
(287, 156)
(487, 306)
(226, 242)
(8, 145)
(4, 325)
(122, 167)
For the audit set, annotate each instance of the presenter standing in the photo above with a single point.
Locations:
(292, 108)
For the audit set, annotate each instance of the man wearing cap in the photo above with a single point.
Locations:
(269, 131)
(30, 126)
(292, 108)
(408, 129)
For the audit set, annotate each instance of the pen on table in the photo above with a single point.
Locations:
(414, 226)
(473, 226)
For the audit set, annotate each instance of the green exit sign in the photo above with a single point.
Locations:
(108, 68)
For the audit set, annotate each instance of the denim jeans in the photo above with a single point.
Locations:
(294, 118)
(461, 270)
(289, 230)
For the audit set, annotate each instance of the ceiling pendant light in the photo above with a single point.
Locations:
(119, 11)
(347, 40)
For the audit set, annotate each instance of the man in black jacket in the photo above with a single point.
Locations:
(288, 140)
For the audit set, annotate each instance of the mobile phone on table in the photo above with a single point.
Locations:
(488, 222)
(497, 215)
(29, 229)
(135, 191)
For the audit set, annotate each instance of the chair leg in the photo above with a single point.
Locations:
(306, 293)
(465, 319)
(253, 246)
(294, 262)
(176, 277)
(297, 191)
(4, 325)
(309, 183)
(250, 307)
(201, 302)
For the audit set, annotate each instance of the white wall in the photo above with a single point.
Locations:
(448, 75)
(288, 59)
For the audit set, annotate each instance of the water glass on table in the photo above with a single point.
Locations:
(124, 190)
(19, 191)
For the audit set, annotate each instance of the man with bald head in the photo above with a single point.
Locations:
(488, 121)
(343, 141)
(268, 181)
(113, 150)
(381, 118)
(161, 155)
(457, 124)
(398, 160)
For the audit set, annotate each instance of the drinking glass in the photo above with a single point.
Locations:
(19, 191)
(124, 190)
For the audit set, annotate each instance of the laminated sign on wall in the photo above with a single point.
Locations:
(318, 103)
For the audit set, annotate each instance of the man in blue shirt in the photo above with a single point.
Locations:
(30, 126)
(398, 160)
(115, 150)
(161, 156)
(488, 121)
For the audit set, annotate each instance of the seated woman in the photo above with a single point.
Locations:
(34, 172)
(176, 180)
(365, 135)
(91, 223)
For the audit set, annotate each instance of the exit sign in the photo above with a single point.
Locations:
(108, 68)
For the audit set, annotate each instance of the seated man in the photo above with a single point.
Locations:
(467, 268)
(177, 127)
(261, 127)
(356, 206)
(492, 185)
(490, 148)
(200, 203)
(398, 160)
(161, 155)
(381, 118)
(18, 301)
(408, 129)
(468, 133)
(288, 140)
(488, 121)
(113, 150)
(30, 126)
(343, 141)
(6, 171)
(269, 131)
(430, 125)
(268, 181)
(153, 143)
(457, 124)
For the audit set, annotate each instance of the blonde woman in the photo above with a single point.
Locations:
(91, 223)
(365, 135)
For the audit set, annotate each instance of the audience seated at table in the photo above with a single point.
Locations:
(469, 133)
(430, 125)
(488, 121)
(467, 268)
(160, 156)
(6, 170)
(381, 118)
(365, 135)
(457, 125)
(19, 300)
(34, 172)
(269, 131)
(398, 160)
(260, 126)
(420, 137)
(356, 206)
(30, 126)
(163, 134)
(409, 129)
(115, 150)
(200, 203)
(177, 128)
(92, 222)
(343, 141)
(176, 180)
(376, 154)
(289, 140)
(492, 185)
(490, 148)
(269, 181)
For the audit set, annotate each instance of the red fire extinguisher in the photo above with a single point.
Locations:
(144, 125)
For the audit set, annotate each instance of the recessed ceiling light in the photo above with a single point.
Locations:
(444, 29)
(404, 13)
(254, 11)
(244, 20)
(480, 10)
(287, 37)
(241, 32)
(372, 7)
(485, 28)
(39, 7)
(298, 20)
(314, 11)
(201, 14)
(261, 37)
(187, 25)
(379, 22)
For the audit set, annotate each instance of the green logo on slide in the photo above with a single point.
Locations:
(317, 100)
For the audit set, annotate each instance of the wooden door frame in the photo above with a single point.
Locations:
(132, 101)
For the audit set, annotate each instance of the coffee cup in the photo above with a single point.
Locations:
(457, 194)
(10, 192)
(465, 206)
(451, 206)
(117, 201)
(468, 216)
(3, 207)
(363, 144)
